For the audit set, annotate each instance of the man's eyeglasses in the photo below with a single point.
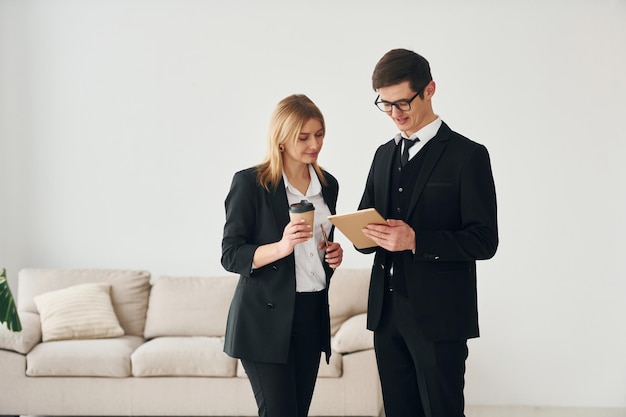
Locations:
(402, 105)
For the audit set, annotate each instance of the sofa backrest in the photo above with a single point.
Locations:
(347, 296)
(180, 306)
(189, 306)
(129, 291)
(198, 306)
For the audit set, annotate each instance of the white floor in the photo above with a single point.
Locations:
(501, 411)
(518, 411)
(495, 411)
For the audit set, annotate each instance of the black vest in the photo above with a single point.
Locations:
(401, 188)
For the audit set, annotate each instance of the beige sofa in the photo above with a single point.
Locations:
(127, 344)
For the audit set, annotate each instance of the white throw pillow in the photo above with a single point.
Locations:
(78, 312)
(353, 335)
(129, 291)
(347, 295)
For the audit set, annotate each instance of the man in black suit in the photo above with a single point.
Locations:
(436, 189)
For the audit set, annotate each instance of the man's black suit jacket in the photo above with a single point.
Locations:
(260, 316)
(453, 212)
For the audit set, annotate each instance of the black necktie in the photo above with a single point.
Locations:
(405, 153)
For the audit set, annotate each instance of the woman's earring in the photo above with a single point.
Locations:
(281, 147)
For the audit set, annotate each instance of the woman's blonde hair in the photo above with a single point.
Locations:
(290, 114)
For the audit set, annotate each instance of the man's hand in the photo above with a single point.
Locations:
(395, 236)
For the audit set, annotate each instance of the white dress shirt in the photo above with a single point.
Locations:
(424, 135)
(310, 274)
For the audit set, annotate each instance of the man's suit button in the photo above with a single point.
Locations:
(270, 305)
(274, 267)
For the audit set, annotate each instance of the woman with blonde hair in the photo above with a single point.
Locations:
(278, 323)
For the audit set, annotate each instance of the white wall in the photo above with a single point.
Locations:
(122, 122)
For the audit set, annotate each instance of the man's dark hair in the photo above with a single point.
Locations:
(399, 65)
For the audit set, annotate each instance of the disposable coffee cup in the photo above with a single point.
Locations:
(302, 210)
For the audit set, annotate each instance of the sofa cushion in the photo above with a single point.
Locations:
(332, 369)
(78, 312)
(353, 335)
(88, 357)
(347, 295)
(183, 356)
(129, 291)
(189, 306)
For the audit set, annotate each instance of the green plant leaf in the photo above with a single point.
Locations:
(8, 312)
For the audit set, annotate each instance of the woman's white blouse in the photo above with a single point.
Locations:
(310, 274)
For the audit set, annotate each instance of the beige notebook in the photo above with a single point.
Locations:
(352, 224)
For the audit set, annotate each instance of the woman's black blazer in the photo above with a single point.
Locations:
(261, 312)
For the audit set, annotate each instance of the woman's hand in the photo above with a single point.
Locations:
(334, 253)
(296, 231)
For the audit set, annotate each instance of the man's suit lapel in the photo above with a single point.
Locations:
(382, 181)
(433, 154)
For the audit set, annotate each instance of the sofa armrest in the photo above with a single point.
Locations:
(23, 341)
(353, 335)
